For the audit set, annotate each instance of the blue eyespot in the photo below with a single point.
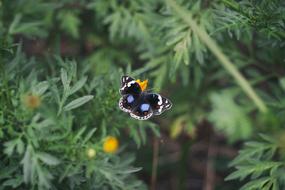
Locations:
(144, 107)
(130, 99)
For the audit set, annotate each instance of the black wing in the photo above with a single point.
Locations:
(129, 86)
(158, 103)
(136, 106)
(142, 110)
(128, 102)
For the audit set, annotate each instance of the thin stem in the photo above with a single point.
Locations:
(154, 163)
(226, 63)
(209, 182)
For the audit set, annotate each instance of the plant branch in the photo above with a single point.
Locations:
(154, 163)
(209, 182)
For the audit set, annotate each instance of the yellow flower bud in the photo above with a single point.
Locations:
(32, 101)
(91, 153)
(111, 144)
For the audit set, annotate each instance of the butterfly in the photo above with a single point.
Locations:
(139, 103)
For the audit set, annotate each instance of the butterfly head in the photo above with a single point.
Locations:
(143, 84)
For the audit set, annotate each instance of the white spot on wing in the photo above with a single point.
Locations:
(130, 83)
(141, 118)
(160, 109)
(159, 100)
(122, 107)
(166, 105)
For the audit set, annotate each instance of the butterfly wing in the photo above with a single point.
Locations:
(128, 102)
(142, 111)
(158, 103)
(140, 105)
(129, 86)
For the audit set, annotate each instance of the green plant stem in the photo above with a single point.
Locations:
(182, 170)
(226, 63)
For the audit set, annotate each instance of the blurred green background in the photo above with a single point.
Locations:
(220, 62)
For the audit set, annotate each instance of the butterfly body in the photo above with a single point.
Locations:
(139, 103)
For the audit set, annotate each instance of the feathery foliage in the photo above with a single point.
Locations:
(219, 62)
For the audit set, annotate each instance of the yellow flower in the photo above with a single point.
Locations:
(143, 84)
(91, 152)
(111, 144)
(32, 101)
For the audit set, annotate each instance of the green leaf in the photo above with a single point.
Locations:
(229, 117)
(79, 134)
(142, 133)
(7, 171)
(282, 82)
(77, 102)
(255, 161)
(64, 79)
(28, 165)
(89, 135)
(135, 135)
(20, 146)
(256, 184)
(44, 177)
(14, 182)
(48, 159)
(241, 173)
(268, 138)
(130, 170)
(177, 126)
(28, 28)
(155, 129)
(78, 85)
(9, 147)
(69, 22)
(45, 123)
(41, 88)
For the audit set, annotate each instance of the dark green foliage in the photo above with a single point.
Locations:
(256, 161)
(220, 62)
(51, 142)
